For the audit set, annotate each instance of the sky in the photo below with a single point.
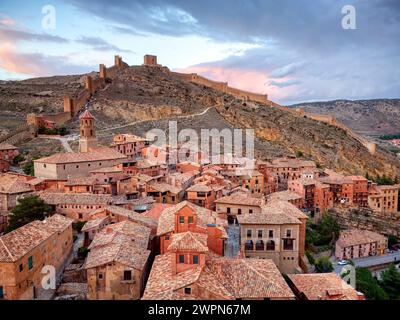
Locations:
(294, 51)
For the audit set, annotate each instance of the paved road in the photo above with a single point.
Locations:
(374, 261)
(232, 245)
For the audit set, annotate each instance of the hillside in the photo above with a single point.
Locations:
(141, 98)
(367, 117)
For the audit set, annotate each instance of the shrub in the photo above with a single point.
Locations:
(19, 158)
(310, 257)
(323, 265)
(29, 169)
(83, 252)
(77, 226)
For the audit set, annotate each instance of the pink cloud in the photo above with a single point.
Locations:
(249, 80)
(7, 21)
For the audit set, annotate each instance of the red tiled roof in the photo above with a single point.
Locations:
(96, 154)
(18, 243)
(189, 241)
(86, 115)
(225, 278)
(323, 286)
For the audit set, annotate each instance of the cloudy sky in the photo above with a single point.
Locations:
(295, 51)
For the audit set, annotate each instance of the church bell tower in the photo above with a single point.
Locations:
(87, 139)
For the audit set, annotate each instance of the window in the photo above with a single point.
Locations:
(260, 245)
(166, 238)
(181, 220)
(30, 262)
(127, 275)
(188, 290)
(260, 233)
(250, 211)
(248, 245)
(21, 267)
(173, 198)
(288, 233)
(195, 259)
(181, 258)
(270, 245)
(239, 211)
(190, 219)
(249, 233)
(228, 210)
(1, 293)
(100, 276)
(270, 233)
(80, 216)
(287, 244)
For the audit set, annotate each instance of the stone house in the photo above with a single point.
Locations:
(118, 261)
(356, 243)
(185, 217)
(277, 233)
(24, 251)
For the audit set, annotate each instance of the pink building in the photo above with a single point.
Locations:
(7, 154)
(129, 145)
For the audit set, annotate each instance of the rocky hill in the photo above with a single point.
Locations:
(367, 117)
(141, 98)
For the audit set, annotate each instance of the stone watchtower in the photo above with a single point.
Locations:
(87, 131)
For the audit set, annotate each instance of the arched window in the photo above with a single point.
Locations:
(260, 245)
(271, 245)
(249, 245)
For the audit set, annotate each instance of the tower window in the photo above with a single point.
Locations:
(181, 258)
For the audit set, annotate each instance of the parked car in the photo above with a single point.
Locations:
(343, 262)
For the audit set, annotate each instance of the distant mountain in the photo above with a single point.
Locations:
(366, 117)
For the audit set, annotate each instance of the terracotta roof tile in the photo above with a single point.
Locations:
(16, 244)
(166, 222)
(189, 241)
(241, 199)
(355, 237)
(11, 184)
(96, 154)
(323, 286)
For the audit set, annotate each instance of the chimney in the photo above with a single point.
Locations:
(109, 230)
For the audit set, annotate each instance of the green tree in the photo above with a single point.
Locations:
(323, 265)
(299, 154)
(392, 240)
(391, 282)
(384, 181)
(19, 158)
(369, 286)
(29, 169)
(328, 230)
(27, 210)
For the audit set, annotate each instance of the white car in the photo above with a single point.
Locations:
(343, 262)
